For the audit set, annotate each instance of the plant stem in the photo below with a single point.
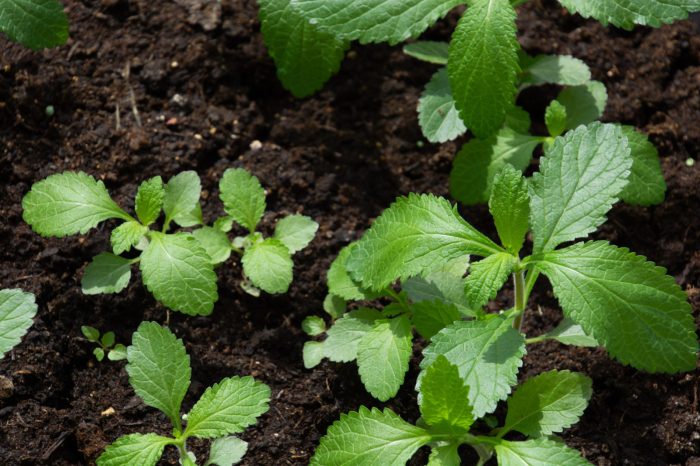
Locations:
(520, 298)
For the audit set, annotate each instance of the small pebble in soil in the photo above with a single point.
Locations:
(690, 162)
(7, 388)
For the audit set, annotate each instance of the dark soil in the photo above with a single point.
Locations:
(205, 89)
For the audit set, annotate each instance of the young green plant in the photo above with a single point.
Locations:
(159, 371)
(542, 406)
(178, 268)
(106, 344)
(36, 24)
(17, 311)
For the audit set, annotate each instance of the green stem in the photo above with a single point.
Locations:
(520, 298)
(533, 340)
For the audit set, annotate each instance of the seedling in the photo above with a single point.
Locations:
(159, 371)
(36, 24)
(541, 407)
(178, 268)
(609, 295)
(105, 344)
(17, 310)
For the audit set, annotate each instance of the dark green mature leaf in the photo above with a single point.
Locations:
(429, 51)
(539, 452)
(106, 273)
(134, 449)
(629, 305)
(36, 24)
(339, 281)
(439, 287)
(444, 398)
(627, 13)
(429, 317)
(483, 65)
(646, 182)
(416, 234)
(437, 114)
(17, 311)
(305, 57)
(487, 277)
(149, 200)
(584, 104)
(510, 207)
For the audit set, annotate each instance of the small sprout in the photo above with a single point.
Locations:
(49, 111)
(690, 162)
(106, 344)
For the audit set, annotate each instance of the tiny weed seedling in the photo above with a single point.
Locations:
(159, 371)
(17, 311)
(610, 296)
(106, 344)
(178, 268)
(541, 407)
(36, 24)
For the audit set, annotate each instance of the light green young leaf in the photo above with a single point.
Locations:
(243, 197)
(224, 224)
(584, 104)
(69, 203)
(179, 273)
(215, 243)
(181, 198)
(390, 21)
(335, 306)
(555, 118)
(483, 65)
(629, 305)
(539, 452)
(106, 274)
(126, 236)
(99, 354)
(646, 182)
(488, 354)
(479, 160)
(339, 281)
(429, 317)
(313, 325)
(487, 277)
(36, 24)
(569, 332)
(118, 353)
(369, 438)
(445, 455)
(313, 353)
(228, 407)
(159, 369)
(296, 232)
(226, 451)
(17, 311)
(269, 266)
(133, 449)
(383, 354)
(149, 200)
(91, 333)
(346, 333)
(510, 207)
(580, 178)
(547, 403)
(437, 114)
(429, 51)
(416, 234)
(627, 13)
(564, 70)
(305, 57)
(444, 398)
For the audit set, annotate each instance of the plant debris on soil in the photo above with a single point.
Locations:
(147, 88)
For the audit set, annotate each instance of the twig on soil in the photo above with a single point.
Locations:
(55, 445)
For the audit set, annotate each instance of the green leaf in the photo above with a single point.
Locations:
(518, 120)
(444, 398)
(483, 65)
(68, 203)
(339, 281)
(296, 232)
(99, 354)
(646, 182)
(269, 266)
(334, 306)
(580, 178)
(429, 51)
(149, 200)
(584, 104)
(17, 311)
(437, 114)
(390, 21)
(539, 452)
(548, 403)
(91, 333)
(440, 287)
(313, 325)
(182, 198)
(215, 243)
(479, 160)
(416, 234)
(118, 353)
(629, 305)
(133, 449)
(510, 207)
(346, 333)
(555, 118)
(108, 339)
(106, 273)
(369, 438)
(627, 13)
(569, 332)
(36, 24)
(488, 354)
(126, 236)
(383, 354)
(487, 277)
(179, 273)
(224, 224)
(445, 455)
(554, 69)
(305, 57)
(228, 407)
(226, 451)
(159, 369)
(429, 317)
(313, 353)
(243, 197)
